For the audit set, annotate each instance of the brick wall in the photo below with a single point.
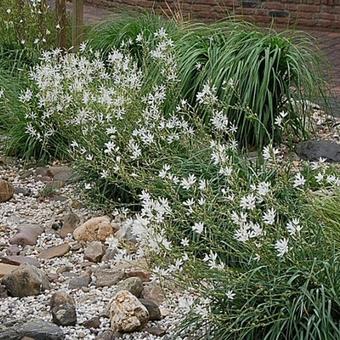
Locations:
(323, 14)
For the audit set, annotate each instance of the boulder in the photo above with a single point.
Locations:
(127, 313)
(55, 251)
(26, 280)
(27, 235)
(35, 329)
(95, 229)
(63, 309)
(313, 150)
(6, 190)
(94, 251)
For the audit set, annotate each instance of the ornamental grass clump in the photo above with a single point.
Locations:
(271, 71)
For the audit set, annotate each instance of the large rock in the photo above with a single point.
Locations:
(70, 223)
(63, 309)
(27, 235)
(313, 150)
(26, 280)
(6, 190)
(95, 229)
(94, 251)
(127, 313)
(35, 329)
(108, 277)
(55, 251)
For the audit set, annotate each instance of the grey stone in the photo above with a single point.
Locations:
(36, 329)
(314, 150)
(80, 281)
(153, 309)
(106, 335)
(134, 285)
(63, 309)
(107, 277)
(154, 330)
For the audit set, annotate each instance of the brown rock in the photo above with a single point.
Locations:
(142, 274)
(107, 277)
(26, 280)
(95, 229)
(157, 331)
(94, 251)
(63, 309)
(70, 223)
(154, 292)
(6, 269)
(92, 323)
(17, 260)
(27, 235)
(6, 191)
(60, 173)
(56, 251)
(127, 314)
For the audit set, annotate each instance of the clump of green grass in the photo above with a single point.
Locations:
(271, 72)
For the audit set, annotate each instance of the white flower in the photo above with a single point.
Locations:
(187, 183)
(263, 188)
(299, 180)
(88, 186)
(230, 295)
(269, 216)
(248, 202)
(281, 247)
(269, 153)
(198, 227)
(184, 242)
(319, 177)
(1, 93)
(293, 226)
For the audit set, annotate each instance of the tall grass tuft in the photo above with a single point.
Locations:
(268, 73)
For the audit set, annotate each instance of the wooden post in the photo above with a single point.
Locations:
(78, 22)
(61, 20)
